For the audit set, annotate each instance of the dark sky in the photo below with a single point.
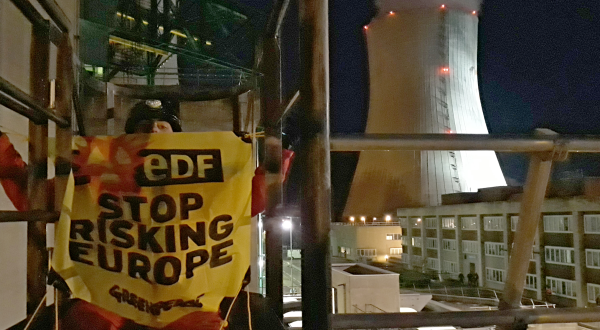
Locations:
(539, 66)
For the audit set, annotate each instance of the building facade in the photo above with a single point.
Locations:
(363, 242)
(423, 79)
(477, 238)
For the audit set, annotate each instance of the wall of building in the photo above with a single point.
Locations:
(375, 293)
(358, 237)
(566, 251)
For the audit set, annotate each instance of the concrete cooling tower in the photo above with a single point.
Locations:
(423, 79)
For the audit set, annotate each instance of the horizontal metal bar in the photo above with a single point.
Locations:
(14, 92)
(503, 143)
(21, 109)
(57, 15)
(29, 216)
(465, 319)
(30, 13)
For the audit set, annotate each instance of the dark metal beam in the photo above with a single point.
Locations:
(19, 108)
(502, 143)
(30, 12)
(465, 319)
(29, 216)
(314, 157)
(179, 92)
(14, 92)
(56, 14)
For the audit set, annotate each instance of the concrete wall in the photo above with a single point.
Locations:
(364, 237)
(357, 293)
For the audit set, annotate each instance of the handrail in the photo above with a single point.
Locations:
(496, 142)
(356, 306)
(375, 307)
(14, 92)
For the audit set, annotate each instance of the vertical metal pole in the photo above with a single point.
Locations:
(315, 162)
(64, 108)
(529, 215)
(37, 257)
(272, 164)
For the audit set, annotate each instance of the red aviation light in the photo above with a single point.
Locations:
(443, 7)
(366, 27)
(474, 12)
(445, 70)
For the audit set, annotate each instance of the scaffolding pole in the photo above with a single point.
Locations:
(314, 158)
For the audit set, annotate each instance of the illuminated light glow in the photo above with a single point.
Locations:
(261, 263)
(286, 224)
(352, 219)
(474, 12)
(374, 218)
(443, 6)
(407, 310)
(388, 217)
(208, 42)
(293, 314)
(296, 324)
(392, 13)
(366, 27)
(418, 219)
(363, 219)
(387, 257)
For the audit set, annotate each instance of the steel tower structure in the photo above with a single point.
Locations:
(423, 79)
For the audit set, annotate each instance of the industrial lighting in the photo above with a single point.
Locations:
(388, 217)
(386, 257)
(352, 219)
(474, 12)
(418, 219)
(443, 6)
(363, 219)
(286, 224)
(374, 218)
(208, 42)
(366, 27)
(392, 13)
(445, 70)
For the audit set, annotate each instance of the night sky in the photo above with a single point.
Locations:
(539, 66)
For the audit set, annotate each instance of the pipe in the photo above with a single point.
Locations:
(465, 319)
(276, 18)
(502, 143)
(529, 217)
(30, 13)
(22, 110)
(14, 92)
(314, 157)
(29, 216)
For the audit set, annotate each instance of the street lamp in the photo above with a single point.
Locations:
(287, 225)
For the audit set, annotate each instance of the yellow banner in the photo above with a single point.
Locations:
(156, 226)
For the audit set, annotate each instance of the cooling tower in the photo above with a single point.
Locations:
(423, 79)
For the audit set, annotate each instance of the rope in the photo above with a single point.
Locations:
(36, 311)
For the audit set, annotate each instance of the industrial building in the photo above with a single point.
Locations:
(423, 79)
(477, 238)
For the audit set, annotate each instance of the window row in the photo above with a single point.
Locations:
(557, 224)
(561, 287)
(593, 291)
(495, 249)
(451, 267)
(417, 242)
(592, 258)
(494, 223)
(431, 223)
(449, 244)
(560, 255)
(395, 251)
(433, 263)
(432, 243)
(393, 237)
(495, 275)
(366, 252)
(470, 247)
(531, 282)
(552, 223)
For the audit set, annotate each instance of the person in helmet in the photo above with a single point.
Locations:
(151, 116)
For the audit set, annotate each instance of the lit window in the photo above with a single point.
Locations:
(557, 223)
(560, 255)
(592, 223)
(561, 287)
